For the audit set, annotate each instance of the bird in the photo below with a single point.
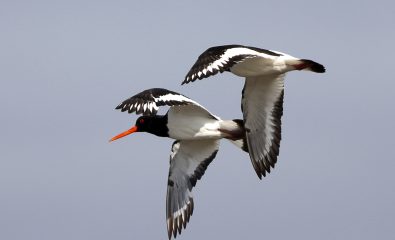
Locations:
(197, 134)
(262, 95)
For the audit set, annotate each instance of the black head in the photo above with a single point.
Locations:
(145, 123)
(156, 125)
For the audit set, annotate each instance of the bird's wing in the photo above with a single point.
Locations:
(188, 161)
(222, 58)
(262, 107)
(148, 102)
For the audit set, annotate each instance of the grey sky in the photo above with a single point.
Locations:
(65, 65)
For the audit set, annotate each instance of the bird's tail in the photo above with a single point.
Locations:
(241, 143)
(309, 65)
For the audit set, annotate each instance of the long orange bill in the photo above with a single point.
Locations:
(127, 132)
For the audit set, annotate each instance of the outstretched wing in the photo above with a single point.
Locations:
(262, 107)
(188, 162)
(148, 102)
(222, 58)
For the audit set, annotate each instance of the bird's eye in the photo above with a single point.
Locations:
(141, 121)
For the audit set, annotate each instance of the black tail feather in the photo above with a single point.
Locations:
(313, 66)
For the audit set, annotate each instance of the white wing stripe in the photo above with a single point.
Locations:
(233, 52)
(172, 97)
(148, 102)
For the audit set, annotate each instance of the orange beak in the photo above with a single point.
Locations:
(127, 132)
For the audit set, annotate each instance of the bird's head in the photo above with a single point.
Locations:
(143, 124)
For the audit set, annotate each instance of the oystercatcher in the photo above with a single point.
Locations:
(262, 95)
(197, 133)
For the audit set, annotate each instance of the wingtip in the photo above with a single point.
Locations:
(258, 172)
(187, 80)
(169, 227)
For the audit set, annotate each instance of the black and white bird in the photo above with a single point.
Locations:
(262, 95)
(197, 133)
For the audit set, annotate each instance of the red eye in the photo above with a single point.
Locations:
(141, 121)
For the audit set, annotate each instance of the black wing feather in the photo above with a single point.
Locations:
(151, 99)
(213, 54)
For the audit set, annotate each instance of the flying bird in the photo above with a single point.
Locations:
(262, 95)
(196, 132)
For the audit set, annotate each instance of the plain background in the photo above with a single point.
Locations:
(65, 65)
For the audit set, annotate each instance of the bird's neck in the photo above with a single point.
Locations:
(158, 126)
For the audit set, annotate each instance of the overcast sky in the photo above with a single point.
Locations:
(65, 65)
